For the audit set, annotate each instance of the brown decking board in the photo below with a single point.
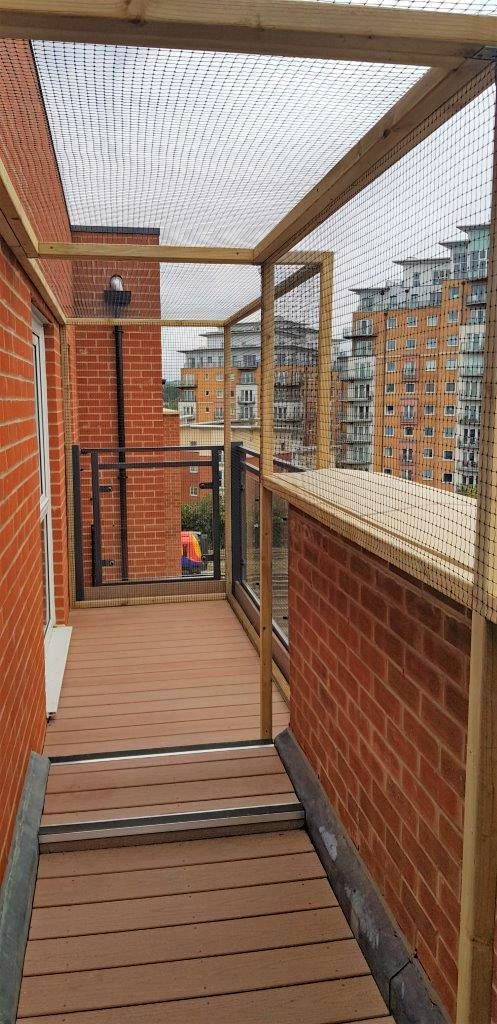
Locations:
(241, 928)
(158, 675)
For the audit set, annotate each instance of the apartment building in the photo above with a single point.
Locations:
(201, 385)
(410, 370)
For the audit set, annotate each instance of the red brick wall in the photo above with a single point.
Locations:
(153, 497)
(379, 678)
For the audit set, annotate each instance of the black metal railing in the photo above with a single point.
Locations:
(245, 539)
(115, 539)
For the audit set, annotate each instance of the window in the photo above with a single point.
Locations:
(428, 431)
(454, 293)
(219, 376)
(449, 410)
(408, 431)
(391, 322)
(451, 364)
(448, 454)
(389, 432)
(408, 412)
(412, 321)
(193, 469)
(449, 431)
(219, 393)
(391, 345)
(431, 342)
(388, 452)
(429, 410)
(387, 472)
(206, 394)
(411, 343)
(206, 376)
(410, 389)
(427, 474)
(430, 387)
(389, 410)
(406, 455)
(431, 321)
(427, 453)
(453, 316)
(389, 389)
(431, 364)
(453, 340)
(390, 368)
(447, 478)
(193, 491)
(450, 386)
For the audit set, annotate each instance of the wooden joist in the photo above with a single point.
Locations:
(147, 253)
(130, 321)
(282, 27)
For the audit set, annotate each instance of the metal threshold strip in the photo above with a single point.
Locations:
(119, 755)
(169, 827)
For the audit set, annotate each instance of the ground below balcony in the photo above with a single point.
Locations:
(158, 676)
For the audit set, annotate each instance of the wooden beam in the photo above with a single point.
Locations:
(323, 404)
(130, 321)
(292, 281)
(479, 869)
(266, 502)
(227, 458)
(414, 117)
(148, 253)
(282, 27)
(23, 237)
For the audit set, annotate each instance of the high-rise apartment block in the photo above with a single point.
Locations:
(411, 368)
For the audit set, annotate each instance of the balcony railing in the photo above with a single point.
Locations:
(463, 466)
(468, 417)
(476, 300)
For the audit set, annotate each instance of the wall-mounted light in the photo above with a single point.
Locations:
(116, 296)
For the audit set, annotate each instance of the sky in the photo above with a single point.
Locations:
(216, 148)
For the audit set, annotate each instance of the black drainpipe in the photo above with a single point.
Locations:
(121, 441)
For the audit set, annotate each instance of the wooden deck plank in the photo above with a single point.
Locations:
(185, 942)
(186, 757)
(329, 1002)
(194, 693)
(169, 728)
(153, 912)
(162, 855)
(149, 983)
(63, 892)
(133, 742)
(169, 792)
(178, 807)
(100, 708)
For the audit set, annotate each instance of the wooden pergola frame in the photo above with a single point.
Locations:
(460, 50)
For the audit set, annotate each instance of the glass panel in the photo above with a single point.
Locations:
(40, 425)
(250, 532)
(280, 564)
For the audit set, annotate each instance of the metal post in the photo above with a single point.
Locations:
(236, 512)
(121, 441)
(97, 524)
(79, 579)
(216, 515)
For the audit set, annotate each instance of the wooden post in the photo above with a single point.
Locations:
(323, 410)
(479, 869)
(266, 502)
(227, 460)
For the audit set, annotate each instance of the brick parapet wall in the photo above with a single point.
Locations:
(379, 686)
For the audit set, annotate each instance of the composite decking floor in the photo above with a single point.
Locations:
(243, 929)
(156, 676)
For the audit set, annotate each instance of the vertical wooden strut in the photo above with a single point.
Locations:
(323, 410)
(266, 501)
(227, 459)
(479, 870)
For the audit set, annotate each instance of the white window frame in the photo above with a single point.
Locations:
(43, 440)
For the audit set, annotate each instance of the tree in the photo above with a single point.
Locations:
(198, 517)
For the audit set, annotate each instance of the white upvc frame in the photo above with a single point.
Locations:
(41, 414)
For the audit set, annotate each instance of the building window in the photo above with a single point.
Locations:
(449, 410)
(391, 322)
(408, 431)
(412, 321)
(219, 376)
(449, 431)
(430, 387)
(388, 453)
(431, 364)
(427, 474)
(428, 431)
(389, 410)
(427, 453)
(389, 432)
(391, 345)
(389, 389)
(431, 342)
(411, 343)
(451, 364)
(448, 454)
(453, 316)
(193, 469)
(447, 478)
(387, 472)
(193, 491)
(206, 394)
(453, 340)
(429, 410)
(410, 389)
(390, 368)
(450, 386)
(219, 394)
(431, 321)
(454, 293)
